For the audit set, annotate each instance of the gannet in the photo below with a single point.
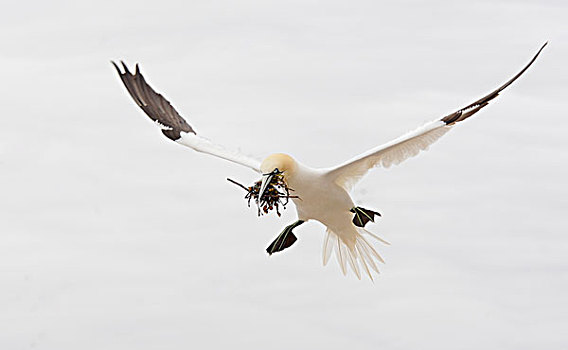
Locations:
(323, 194)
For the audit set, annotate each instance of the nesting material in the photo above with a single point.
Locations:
(275, 197)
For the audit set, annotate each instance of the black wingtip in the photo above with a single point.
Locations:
(125, 68)
(473, 108)
(541, 48)
(116, 67)
(137, 71)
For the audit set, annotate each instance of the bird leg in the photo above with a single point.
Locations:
(284, 239)
(363, 216)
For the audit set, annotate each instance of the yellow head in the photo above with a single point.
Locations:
(280, 161)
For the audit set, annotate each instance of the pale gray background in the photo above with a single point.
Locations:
(113, 237)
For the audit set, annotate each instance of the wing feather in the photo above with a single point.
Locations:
(173, 125)
(410, 144)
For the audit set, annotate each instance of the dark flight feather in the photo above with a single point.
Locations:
(473, 108)
(152, 103)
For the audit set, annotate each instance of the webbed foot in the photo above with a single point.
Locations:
(363, 216)
(284, 239)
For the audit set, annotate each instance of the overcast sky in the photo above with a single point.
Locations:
(113, 237)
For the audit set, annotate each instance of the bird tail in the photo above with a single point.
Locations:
(359, 254)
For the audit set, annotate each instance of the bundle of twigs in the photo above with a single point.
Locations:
(276, 195)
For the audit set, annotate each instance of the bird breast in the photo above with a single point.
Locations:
(319, 198)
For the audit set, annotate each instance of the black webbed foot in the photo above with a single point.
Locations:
(285, 239)
(363, 216)
(281, 242)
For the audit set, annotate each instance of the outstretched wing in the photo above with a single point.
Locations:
(410, 144)
(171, 123)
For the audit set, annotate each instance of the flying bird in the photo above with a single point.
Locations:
(319, 194)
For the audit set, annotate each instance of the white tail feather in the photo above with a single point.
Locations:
(327, 249)
(364, 263)
(352, 254)
(368, 257)
(339, 255)
(359, 256)
(371, 249)
(376, 237)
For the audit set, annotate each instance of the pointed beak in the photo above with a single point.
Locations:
(266, 178)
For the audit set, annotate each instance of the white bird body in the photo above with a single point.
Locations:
(322, 199)
(323, 194)
(319, 198)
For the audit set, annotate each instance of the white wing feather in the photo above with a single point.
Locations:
(201, 144)
(409, 145)
(172, 124)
